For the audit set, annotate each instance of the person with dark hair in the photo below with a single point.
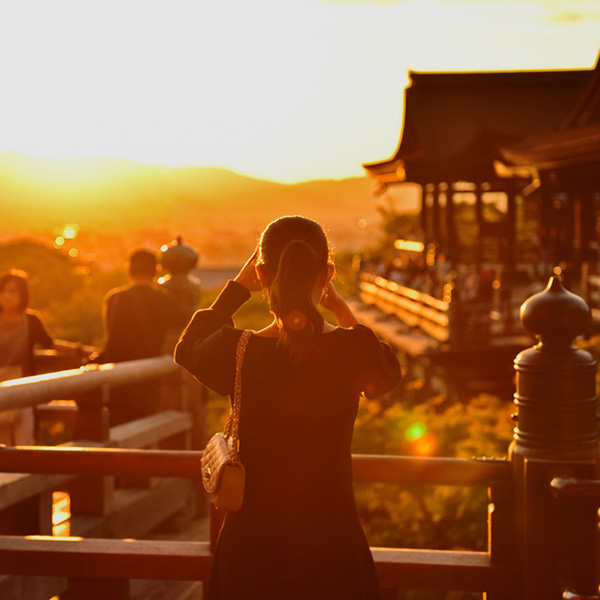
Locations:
(297, 534)
(21, 330)
(137, 318)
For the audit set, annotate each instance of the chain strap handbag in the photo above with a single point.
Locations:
(223, 474)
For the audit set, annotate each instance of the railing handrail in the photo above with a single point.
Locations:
(70, 460)
(432, 315)
(407, 292)
(28, 391)
(429, 470)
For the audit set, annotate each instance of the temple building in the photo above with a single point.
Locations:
(509, 167)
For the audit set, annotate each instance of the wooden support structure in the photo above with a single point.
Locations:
(543, 501)
(97, 507)
(141, 559)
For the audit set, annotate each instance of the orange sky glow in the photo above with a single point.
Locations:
(288, 91)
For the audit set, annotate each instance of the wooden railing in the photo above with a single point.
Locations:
(543, 509)
(116, 561)
(450, 320)
(414, 308)
(100, 504)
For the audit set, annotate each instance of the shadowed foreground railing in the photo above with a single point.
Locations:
(543, 509)
(115, 561)
(101, 506)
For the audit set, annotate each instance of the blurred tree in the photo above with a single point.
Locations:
(52, 273)
(67, 292)
(441, 517)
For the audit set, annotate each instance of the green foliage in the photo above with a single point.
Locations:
(441, 517)
(52, 274)
(346, 276)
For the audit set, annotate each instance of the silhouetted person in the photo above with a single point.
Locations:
(297, 535)
(21, 330)
(137, 318)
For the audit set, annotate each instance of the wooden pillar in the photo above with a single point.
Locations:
(508, 275)
(92, 421)
(92, 495)
(434, 234)
(511, 230)
(451, 227)
(423, 212)
(556, 436)
(32, 516)
(480, 226)
(501, 530)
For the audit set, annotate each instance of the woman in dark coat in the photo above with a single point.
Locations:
(297, 535)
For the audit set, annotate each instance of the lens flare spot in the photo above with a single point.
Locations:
(416, 431)
(424, 446)
(296, 320)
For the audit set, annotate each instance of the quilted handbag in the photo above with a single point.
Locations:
(223, 474)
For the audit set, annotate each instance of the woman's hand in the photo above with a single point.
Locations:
(248, 276)
(334, 303)
(331, 299)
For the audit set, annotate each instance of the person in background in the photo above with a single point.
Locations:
(137, 318)
(21, 330)
(297, 535)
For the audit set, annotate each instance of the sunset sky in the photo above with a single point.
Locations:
(287, 90)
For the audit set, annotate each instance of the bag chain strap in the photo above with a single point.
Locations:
(233, 420)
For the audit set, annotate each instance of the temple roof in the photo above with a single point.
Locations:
(557, 149)
(574, 141)
(456, 124)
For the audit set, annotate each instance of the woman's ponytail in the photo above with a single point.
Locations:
(291, 298)
(295, 253)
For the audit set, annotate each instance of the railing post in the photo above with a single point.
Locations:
(92, 495)
(501, 530)
(556, 436)
(92, 420)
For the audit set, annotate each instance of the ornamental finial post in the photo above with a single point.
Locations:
(555, 436)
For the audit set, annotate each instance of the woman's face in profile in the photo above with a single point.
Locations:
(10, 297)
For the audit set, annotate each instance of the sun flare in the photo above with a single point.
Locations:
(291, 90)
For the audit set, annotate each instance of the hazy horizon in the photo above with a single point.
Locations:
(290, 91)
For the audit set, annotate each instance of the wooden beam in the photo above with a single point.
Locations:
(105, 559)
(186, 463)
(136, 511)
(142, 559)
(17, 487)
(440, 570)
(100, 461)
(429, 471)
(150, 430)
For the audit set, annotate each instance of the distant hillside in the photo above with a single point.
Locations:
(220, 211)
